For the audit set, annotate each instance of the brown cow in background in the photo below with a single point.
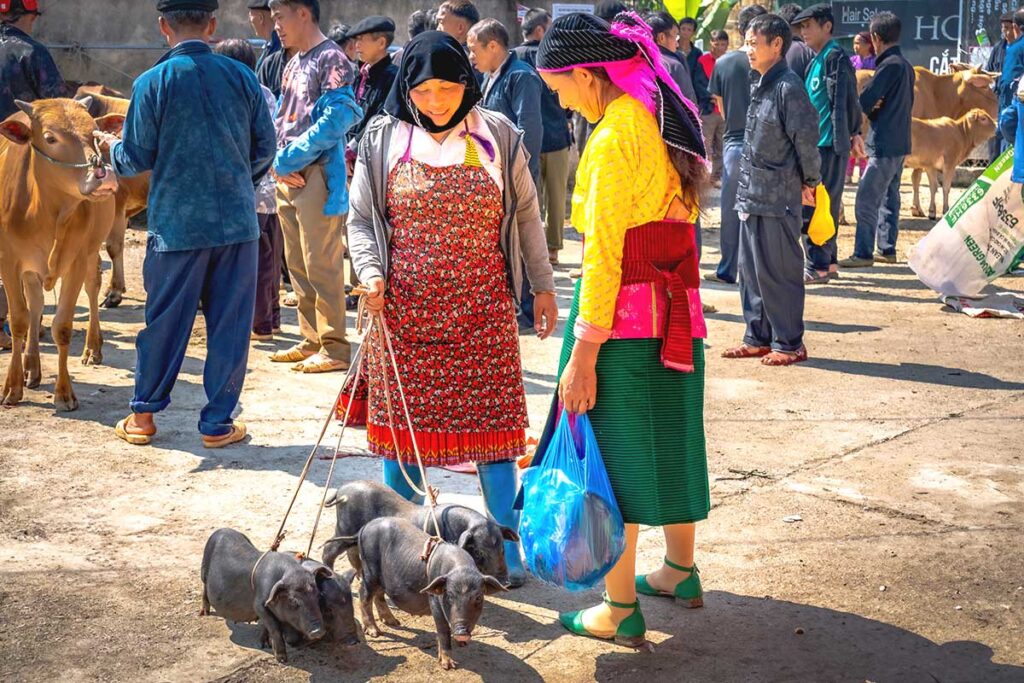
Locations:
(131, 198)
(950, 95)
(56, 207)
(942, 144)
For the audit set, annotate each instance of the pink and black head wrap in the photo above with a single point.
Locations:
(627, 52)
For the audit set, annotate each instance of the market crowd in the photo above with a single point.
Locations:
(435, 177)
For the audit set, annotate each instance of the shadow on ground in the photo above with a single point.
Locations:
(743, 638)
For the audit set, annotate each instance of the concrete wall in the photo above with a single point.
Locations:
(113, 41)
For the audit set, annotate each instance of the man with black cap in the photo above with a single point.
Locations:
(373, 36)
(27, 71)
(263, 26)
(832, 86)
(200, 123)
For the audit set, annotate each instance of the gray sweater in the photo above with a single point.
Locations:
(522, 233)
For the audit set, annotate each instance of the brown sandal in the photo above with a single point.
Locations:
(236, 434)
(134, 438)
(292, 355)
(779, 359)
(747, 351)
(318, 363)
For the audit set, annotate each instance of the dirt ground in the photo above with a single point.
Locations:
(898, 446)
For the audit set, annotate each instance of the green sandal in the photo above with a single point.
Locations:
(632, 631)
(688, 591)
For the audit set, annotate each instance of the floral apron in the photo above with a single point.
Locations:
(451, 317)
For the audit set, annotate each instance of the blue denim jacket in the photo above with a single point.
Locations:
(1009, 125)
(324, 142)
(200, 123)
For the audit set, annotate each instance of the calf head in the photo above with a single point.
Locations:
(295, 600)
(980, 126)
(485, 543)
(60, 132)
(461, 592)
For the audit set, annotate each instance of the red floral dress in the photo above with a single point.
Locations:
(452, 320)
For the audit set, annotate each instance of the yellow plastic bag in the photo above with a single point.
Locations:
(822, 227)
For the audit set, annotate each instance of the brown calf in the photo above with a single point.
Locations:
(56, 207)
(132, 195)
(942, 144)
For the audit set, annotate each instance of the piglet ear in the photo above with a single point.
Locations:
(348, 575)
(279, 586)
(110, 123)
(323, 572)
(464, 539)
(509, 534)
(436, 587)
(492, 586)
(17, 128)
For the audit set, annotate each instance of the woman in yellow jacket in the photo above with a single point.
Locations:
(633, 354)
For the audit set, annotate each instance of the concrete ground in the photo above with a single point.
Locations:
(897, 446)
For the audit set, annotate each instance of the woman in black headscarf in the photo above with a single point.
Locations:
(633, 354)
(443, 214)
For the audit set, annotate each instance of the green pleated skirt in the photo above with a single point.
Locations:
(649, 424)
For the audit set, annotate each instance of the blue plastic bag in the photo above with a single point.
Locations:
(571, 528)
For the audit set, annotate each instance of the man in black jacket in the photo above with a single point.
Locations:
(888, 100)
(832, 87)
(373, 36)
(779, 170)
(27, 70)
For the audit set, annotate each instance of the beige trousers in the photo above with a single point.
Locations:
(554, 184)
(714, 129)
(314, 246)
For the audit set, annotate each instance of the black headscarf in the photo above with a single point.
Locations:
(432, 54)
(576, 40)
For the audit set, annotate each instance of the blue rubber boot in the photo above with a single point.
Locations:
(393, 478)
(499, 486)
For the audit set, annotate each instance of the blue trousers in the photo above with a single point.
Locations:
(729, 235)
(878, 207)
(833, 177)
(772, 282)
(223, 280)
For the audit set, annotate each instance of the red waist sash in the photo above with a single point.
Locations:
(665, 253)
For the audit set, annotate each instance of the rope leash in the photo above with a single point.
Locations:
(377, 325)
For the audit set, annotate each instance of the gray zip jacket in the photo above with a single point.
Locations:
(522, 234)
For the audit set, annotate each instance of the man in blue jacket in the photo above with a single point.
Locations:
(513, 88)
(316, 110)
(887, 100)
(200, 123)
(1013, 69)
